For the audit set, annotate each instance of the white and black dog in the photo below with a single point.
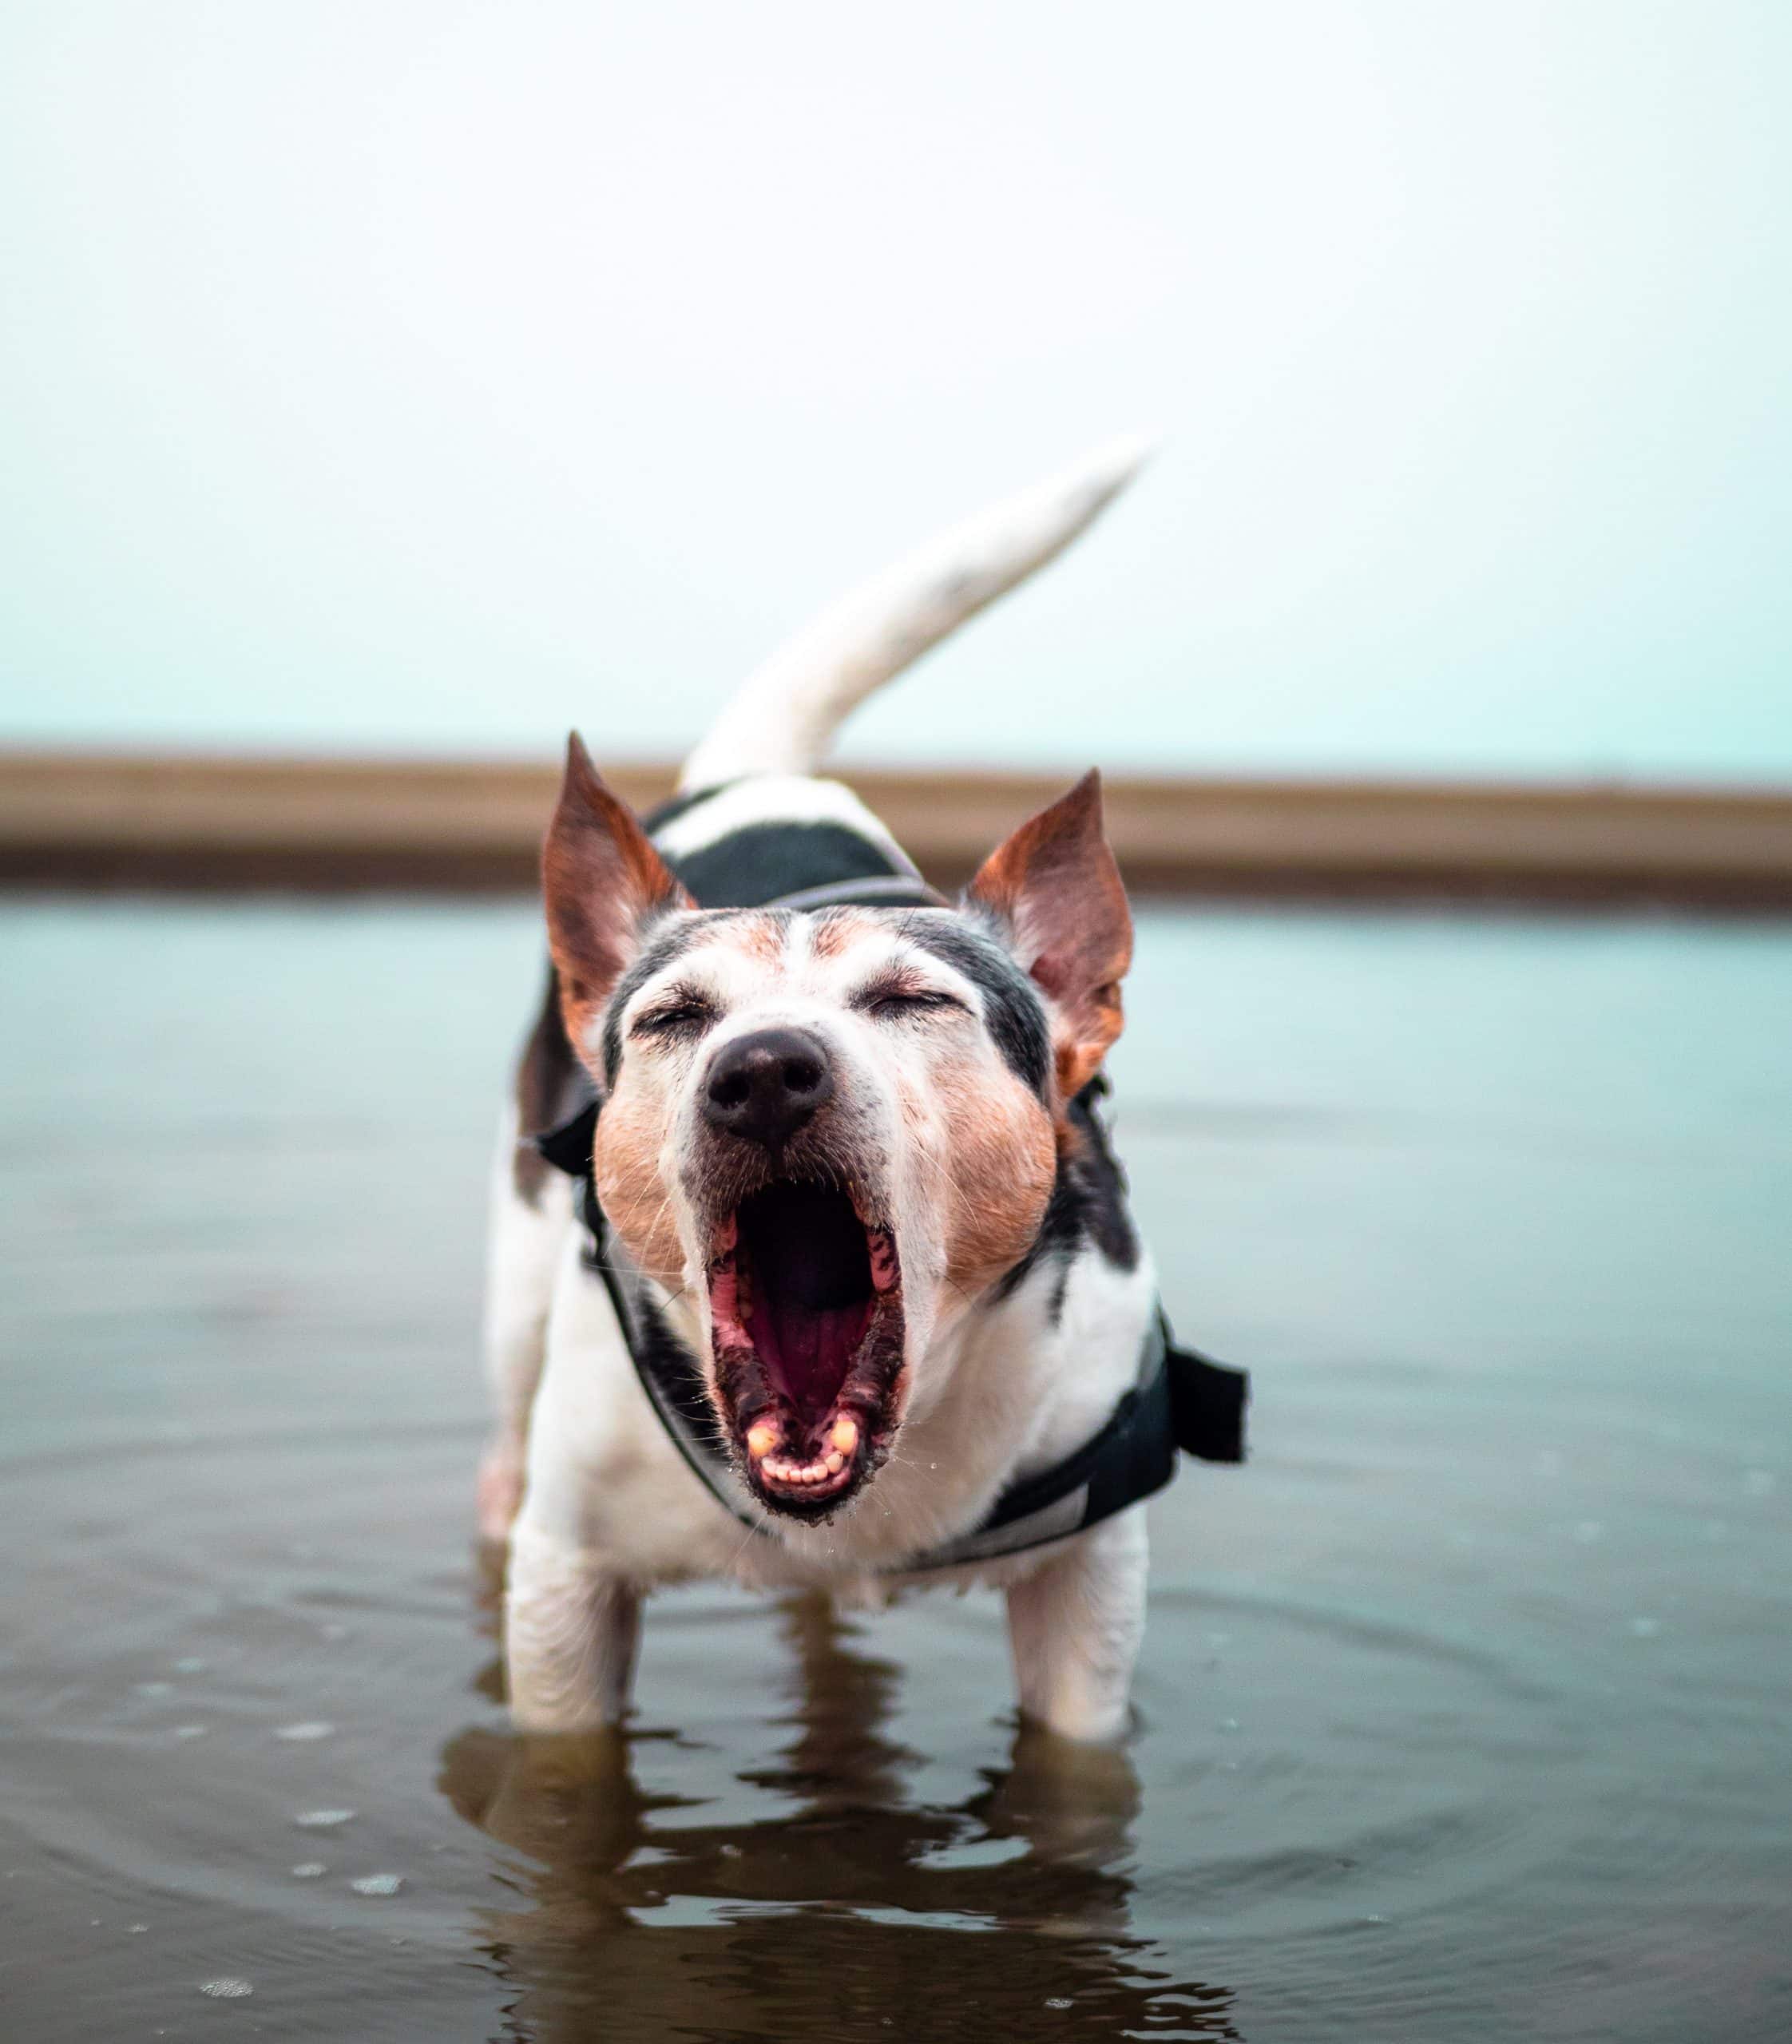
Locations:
(842, 1290)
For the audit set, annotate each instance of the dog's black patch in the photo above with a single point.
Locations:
(759, 862)
(1109, 1218)
(1014, 1014)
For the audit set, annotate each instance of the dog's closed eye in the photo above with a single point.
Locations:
(682, 1011)
(900, 994)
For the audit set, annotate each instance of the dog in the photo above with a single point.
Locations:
(842, 1290)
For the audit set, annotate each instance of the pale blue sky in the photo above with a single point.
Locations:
(429, 377)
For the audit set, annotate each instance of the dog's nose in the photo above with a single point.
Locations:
(765, 1086)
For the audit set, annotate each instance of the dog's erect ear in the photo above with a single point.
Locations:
(602, 882)
(1055, 887)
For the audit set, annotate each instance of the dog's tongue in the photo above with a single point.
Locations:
(807, 1352)
(811, 1293)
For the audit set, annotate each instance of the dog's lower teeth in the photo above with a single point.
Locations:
(781, 1469)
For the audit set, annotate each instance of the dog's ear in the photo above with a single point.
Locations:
(602, 883)
(1054, 887)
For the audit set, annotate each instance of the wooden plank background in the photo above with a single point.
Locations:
(72, 818)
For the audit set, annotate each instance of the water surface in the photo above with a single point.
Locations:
(1463, 1708)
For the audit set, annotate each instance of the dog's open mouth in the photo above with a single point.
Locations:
(805, 1312)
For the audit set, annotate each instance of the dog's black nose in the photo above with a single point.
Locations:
(765, 1086)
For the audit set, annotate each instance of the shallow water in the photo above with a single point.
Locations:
(1463, 1708)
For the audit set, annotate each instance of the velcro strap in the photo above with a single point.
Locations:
(1207, 1403)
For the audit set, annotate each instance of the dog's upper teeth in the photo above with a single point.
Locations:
(762, 1437)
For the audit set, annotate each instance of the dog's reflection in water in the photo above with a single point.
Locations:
(853, 1915)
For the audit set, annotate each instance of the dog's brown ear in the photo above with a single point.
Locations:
(602, 882)
(1055, 887)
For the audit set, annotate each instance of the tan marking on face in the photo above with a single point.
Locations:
(1000, 1164)
(836, 932)
(626, 1168)
(760, 937)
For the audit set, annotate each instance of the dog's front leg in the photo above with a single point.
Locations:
(1076, 1624)
(571, 1630)
(572, 1610)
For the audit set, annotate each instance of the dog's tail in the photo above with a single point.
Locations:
(783, 718)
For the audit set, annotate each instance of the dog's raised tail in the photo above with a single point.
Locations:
(783, 717)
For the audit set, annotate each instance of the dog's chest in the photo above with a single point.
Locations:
(1030, 1381)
